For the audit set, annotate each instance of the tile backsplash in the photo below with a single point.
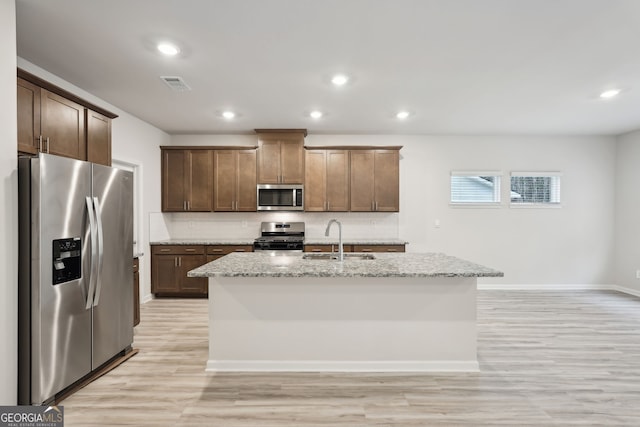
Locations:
(207, 225)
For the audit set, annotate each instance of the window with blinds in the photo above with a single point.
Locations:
(475, 188)
(535, 189)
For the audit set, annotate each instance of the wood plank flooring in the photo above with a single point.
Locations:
(559, 358)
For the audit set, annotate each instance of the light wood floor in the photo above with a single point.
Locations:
(546, 358)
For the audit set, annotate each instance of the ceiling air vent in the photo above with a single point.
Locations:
(176, 83)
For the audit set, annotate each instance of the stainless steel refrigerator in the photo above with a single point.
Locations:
(75, 272)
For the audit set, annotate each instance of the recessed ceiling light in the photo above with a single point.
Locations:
(339, 79)
(402, 115)
(228, 115)
(609, 93)
(315, 114)
(168, 49)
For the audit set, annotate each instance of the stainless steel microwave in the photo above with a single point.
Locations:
(280, 197)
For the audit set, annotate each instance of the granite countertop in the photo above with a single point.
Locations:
(260, 264)
(353, 241)
(307, 241)
(214, 241)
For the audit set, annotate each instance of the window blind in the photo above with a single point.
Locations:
(535, 188)
(475, 187)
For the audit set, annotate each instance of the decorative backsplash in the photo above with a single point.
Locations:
(194, 225)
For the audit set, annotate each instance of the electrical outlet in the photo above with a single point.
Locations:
(637, 274)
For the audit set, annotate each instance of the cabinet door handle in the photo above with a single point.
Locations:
(316, 250)
(40, 143)
(184, 205)
(190, 250)
(367, 250)
(188, 205)
(47, 144)
(375, 204)
(327, 205)
(175, 262)
(216, 250)
(179, 261)
(165, 250)
(392, 250)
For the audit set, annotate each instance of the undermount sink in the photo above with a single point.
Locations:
(329, 256)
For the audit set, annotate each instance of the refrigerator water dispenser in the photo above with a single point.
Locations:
(67, 260)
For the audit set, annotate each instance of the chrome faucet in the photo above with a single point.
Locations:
(326, 233)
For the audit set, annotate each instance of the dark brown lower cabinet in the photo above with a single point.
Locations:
(355, 248)
(171, 263)
(378, 248)
(326, 248)
(169, 267)
(218, 251)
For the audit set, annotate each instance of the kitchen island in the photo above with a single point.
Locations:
(396, 312)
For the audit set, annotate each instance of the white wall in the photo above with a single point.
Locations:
(138, 142)
(570, 245)
(8, 213)
(628, 211)
(133, 141)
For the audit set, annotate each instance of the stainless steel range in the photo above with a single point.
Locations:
(279, 237)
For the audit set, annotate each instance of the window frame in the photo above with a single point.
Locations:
(497, 190)
(538, 205)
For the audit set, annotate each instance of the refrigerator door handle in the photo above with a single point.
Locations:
(94, 253)
(100, 239)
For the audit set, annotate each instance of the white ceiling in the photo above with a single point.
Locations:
(460, 66)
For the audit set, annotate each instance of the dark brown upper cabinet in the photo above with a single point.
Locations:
(52, 120)
(281, 156)
(234, 180)
(375, 179)
(187, 180)
(326, 180)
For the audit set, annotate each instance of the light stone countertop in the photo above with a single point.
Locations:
(260, 264)
(307, 241)
(213, 241)
(354, 241)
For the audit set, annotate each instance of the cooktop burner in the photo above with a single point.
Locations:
(280, 239)
(280, 236)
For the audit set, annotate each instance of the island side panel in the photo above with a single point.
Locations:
(342, 324)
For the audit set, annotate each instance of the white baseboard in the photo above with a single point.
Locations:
(543, 287)
(145, 299)
(629, 291)
(557, 287)
(341, 366)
